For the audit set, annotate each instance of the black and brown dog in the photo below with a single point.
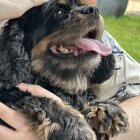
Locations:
(57, 46)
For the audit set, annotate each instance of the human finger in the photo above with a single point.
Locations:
(6, 133)
(12, 117)
(36, 90)
(38, 2)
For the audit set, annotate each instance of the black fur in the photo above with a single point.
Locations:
(104, 71)
(17, 41)
(14, 61)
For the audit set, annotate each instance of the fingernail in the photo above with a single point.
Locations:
(20, 85)
(23, 86)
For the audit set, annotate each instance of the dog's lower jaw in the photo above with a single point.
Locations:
(76, 77)
(73, 76)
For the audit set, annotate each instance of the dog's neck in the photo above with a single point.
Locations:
(76, 82)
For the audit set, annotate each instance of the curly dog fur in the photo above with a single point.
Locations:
(29, 48)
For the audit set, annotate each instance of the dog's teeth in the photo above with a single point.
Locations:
(76, 52)
(66, 50)
(61, 48)
(53, 49)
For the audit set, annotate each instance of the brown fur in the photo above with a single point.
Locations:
(28, 40)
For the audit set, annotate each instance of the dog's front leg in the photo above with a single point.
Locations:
(51, 120)
(106, 117)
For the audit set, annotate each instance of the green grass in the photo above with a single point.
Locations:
(126, 30)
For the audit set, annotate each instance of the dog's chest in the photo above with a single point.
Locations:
(76, 100)
(10, 97)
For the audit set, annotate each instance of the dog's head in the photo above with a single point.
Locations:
(62, 38)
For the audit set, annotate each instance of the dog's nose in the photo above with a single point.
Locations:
(90, 10)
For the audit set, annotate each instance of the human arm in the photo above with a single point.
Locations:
(132, 108)
(16, 120)
(15, 8)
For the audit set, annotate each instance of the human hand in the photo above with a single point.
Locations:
(36, 90)
(16, 120)
(15, 8)
(132, 108)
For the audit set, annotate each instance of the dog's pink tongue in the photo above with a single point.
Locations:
(94, 45)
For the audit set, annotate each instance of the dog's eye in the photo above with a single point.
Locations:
(58, 13)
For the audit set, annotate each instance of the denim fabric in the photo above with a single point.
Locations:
(125, 81)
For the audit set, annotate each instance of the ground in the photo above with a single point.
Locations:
(133, 7)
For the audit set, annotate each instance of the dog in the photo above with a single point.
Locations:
(57, 46)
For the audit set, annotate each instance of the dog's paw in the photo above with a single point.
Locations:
(51, 120)
(106, 117)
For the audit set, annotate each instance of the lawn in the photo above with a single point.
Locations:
(126, 31)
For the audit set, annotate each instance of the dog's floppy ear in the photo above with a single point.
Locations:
(104, 71)
(14, 61)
